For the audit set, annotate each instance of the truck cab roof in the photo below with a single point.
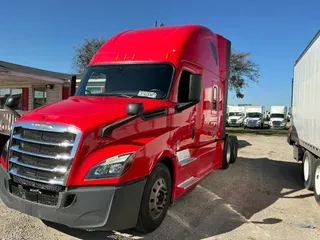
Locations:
(166, 44)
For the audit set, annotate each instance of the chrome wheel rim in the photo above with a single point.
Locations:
(228, 153)
(317, 181)
(158, 198)
(306, 169)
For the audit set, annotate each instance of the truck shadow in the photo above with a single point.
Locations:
(222, 202)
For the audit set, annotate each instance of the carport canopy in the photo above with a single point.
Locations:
(13, 75)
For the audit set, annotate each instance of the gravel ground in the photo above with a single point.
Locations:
(261, 196)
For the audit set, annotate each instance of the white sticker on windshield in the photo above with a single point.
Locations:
(147, 94)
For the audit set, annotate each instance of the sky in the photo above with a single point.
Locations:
(43, 34)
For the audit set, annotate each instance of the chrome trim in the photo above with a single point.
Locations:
(55, 127)
(186, 161)
(62, 144)
(58, 181)
(187, 183)
(52, 127)
(59, 169)
(57, 157)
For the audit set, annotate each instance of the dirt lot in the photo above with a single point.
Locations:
(259, 197)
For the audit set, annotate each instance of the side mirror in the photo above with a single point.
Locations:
(195, 87)
(12, 102)
(134, 108)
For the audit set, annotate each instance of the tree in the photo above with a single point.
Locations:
(243, 71)
(85, 52)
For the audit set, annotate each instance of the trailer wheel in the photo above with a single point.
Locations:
(308, 170)
(155, 199)
(234, 140)
(227, 153)
(317, 182)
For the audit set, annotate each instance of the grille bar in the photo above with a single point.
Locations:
(58, 169)
(62, 144)
(57, 157)
(56, 181)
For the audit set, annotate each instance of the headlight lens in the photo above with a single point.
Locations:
(111, 167)
(5, 151)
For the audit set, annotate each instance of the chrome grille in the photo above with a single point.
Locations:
(42, 152)
(276, 123)
(233, 120)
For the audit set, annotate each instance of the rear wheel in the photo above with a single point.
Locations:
(155, 200)
(234, 140)
(308, 169)
(317, 182)
(227, 153)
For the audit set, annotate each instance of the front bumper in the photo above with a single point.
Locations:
(94, 207)
(277, 127)
(252, 125)
(234, 124)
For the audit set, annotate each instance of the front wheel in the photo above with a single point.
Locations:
(155, 200)
(317, 182)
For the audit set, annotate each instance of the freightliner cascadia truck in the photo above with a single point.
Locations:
(114, 157)
(304, 133)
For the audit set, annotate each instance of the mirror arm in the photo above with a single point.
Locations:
(13, 112)
(182, 106)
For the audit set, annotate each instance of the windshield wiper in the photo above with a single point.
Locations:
(113, 94)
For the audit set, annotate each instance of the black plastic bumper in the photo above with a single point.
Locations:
(94, 207)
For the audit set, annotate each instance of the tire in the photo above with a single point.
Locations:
(308, 170)
(159, 186)
(234, 140)
(227, 153)
(317, 182)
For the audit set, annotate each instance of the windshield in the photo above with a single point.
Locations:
(238, 114)
(127, 80)
(253, 115)
(277, 115)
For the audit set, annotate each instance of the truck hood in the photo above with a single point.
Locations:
(235, 117)
(276, 119)
(252, 119)
(88, 112)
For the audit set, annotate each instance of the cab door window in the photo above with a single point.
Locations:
(215, 98)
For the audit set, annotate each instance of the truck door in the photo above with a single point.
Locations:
(186, 125)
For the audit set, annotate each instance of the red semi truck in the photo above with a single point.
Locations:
(114, 157)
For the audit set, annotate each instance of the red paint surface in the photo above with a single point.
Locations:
(185, 47)
(25, 99)
(65, 93)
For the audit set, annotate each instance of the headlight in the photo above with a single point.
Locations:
(259, 121)
(5, 151)
(239, 120)
(282, 122)
(111, 167)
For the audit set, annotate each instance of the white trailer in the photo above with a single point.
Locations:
(278, 117)
(304, 132)
(254, 117)
(236, 116)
